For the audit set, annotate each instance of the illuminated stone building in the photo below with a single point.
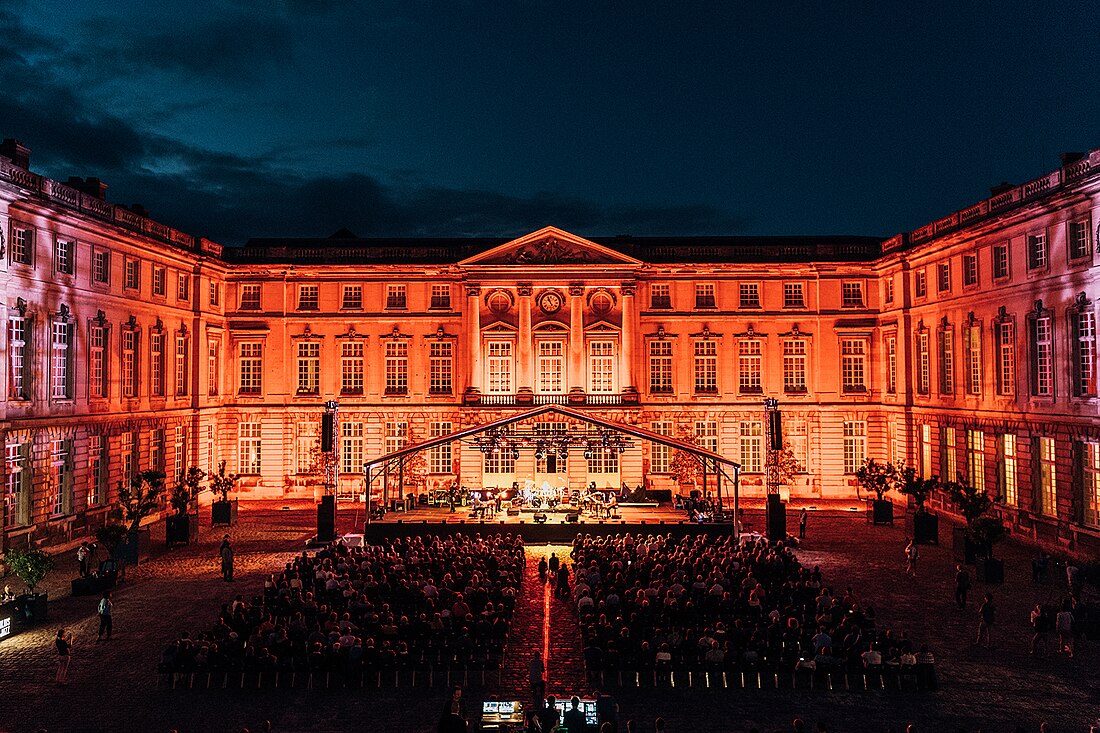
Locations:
(966, 347)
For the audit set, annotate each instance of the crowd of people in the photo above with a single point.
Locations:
(407, 603)
(714, 603)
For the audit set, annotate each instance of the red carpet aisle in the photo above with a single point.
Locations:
(542, 623)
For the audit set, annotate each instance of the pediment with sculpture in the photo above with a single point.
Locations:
(550, 247)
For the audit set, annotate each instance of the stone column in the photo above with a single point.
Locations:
(576, 339)
(473, 337)
(626, 352)
(524, 381)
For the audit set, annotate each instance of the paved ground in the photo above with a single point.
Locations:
(113, 685)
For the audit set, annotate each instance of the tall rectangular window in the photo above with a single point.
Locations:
(602, 462)
(97, 362)
(441, 297)
(97, 470)
(309, 367)
(851, 294)
(1036, 251)
(17, 486)
(22, 244)
(970, 270)
(750, 359)
(1077, 241)
(752, 446)
(1047, 475)
(855, 445)
(251, 368)
(65, 256)
(1006, 358)
(947, 361)
(660, 367)
(101, 266)
(1090, 481)
(704, 295)
(61, 354)
(924, 450)
(60, 477)
(749, 295)
(397, 367)
(129, 366)
(660, 296)
(924, 371)
(396, 297)
(920, 283)
(156, 363)
(660, 455)
(1042, 356)
(892, 364)
(249, 444)
(551, 366)
(794, 366)
(706, 434)
(975, 458)
(1083, 325)
(1009, 487)
(351, 367)
(974, 364)
(19, 361)
(182, 370)
(309, 297)
(351, 447)
(500, 367)
(499, 462)
(439, 457)
(853, 365)
(1000, 262)
(395, 436)
(706, 367)
(179, 449)
(160, 280)
(352, 297)
(794, 295)
(131, 274)
(949, 461)
(213, 367)
(183, 287)
(156, 449)
(215, 294)
(943, 277)
(250, 296)
(888, 295)
(441, 367)
(309, 434)
(601, 366)
(128, 452)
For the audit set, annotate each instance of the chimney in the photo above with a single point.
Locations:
(91, 186)
(140, 210)
(19, 153)
(1002, 187)
(1070, 158)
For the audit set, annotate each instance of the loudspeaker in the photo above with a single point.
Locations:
(326, 519)
(573, 518)
(776, 518)
(540, 518)
(328, 432)
(775, 429)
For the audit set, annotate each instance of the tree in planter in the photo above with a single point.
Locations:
(187, 490)
(987, 531)
(685, 467)
(141, 496)
(877, 477)
(30, 566)
(111, 535)
(920, 489)
(970, 501)
(221, 483)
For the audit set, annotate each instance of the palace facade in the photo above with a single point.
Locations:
(966, 348)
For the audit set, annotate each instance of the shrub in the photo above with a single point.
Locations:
(30, 566)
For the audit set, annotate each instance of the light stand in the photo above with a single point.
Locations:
(330, 436)
(776, 509)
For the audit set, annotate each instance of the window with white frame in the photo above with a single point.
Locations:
(215, 294)
(249, 444)
(441, 367)
(920, 283)
(924, 451)
(395, 437)
(309, 297)
(853, 365)
(1042, 356)
(704, 295)
(1090, 481)
(752, 446)
(1037, 251)
(156, 449)
(888, 291)
(101, 266)
(706, 434)
(22, 244)
(892, 364)
(1001, 269)
(551, 366)
(17, 487)
(970, 270)
(660, 296)
(183, 287)
(250, 296)
(706, 366)
(500, 462)
(213, 367)
(61, 477)
(972, 338)
(352, 297)
(855, 445)
(1047, 474)
(179, 449)
(156, 363)
(128, 369)
(949, 460)
(160, 280)
(943, 276)
(794, 295)
(98, 469)
(794, 365)
(1077, 240)
(397, 366)
(182, 370)
(1083, 334)
(924, 371)
(128, 452)
(309, 367)
(546, 460)
(601, 366)
(851, 292)
(131, 274)
(61, 355)
(749, 295)
(975, 459)
(439, 457)
(211, 447)
(660, 367)
(660, 456)
(795, 441)
(500, 367)
(750, 358)
(441, 297)
(351, 367)
(1009, 486)
(396, 297)
(97, 362)
(307, 446)
(351, 447)
(64, 256)
(251, 364)
(946, 337)
(1006, 358)
(19, 357)
(603, 461)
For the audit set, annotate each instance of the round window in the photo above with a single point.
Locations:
(602, 303)
(500, 302)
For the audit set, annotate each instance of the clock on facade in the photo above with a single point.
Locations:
(550, 301)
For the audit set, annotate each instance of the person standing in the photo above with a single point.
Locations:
(454, 713)
(106, 611)
(987, 615)
(574, 716)
(803, 517)
(82, 555)
(962, 585)
(64, 644)
(1040, 624)
(1063, 624)
(226, 553)
(911, 554)
(537, 675)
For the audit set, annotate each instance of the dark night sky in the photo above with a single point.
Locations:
(296, 118)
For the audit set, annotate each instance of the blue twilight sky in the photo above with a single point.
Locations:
(407, 117)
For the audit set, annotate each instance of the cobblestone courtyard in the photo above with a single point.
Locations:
(114, 684)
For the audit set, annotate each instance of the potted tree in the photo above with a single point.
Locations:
(111, 536)
(137, 500)
(986, 532)
(684, 467)
(926, 525)
(30, 566)
(183, 526)
(971, 503)
(224, 510)
(879, 478)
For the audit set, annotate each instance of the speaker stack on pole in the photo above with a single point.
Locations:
(776, 510)
(326, 509)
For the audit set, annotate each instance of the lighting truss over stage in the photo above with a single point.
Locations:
(553, 441)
